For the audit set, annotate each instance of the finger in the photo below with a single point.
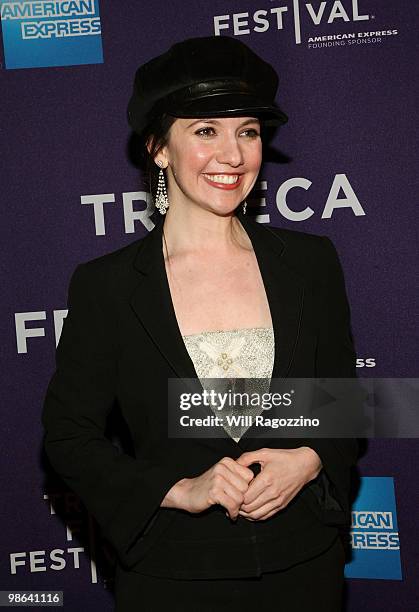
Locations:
(230, 474)
(261, 512)
(222, 487)
(223, 493)
(266, 516)
(258, 456)
(271, 513)
(256, 488)
(229, 504)
(265, 497)
(245, 472)
(235, 495)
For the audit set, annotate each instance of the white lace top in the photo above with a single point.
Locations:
(246, 353)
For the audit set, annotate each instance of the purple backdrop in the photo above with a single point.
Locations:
(65, 135)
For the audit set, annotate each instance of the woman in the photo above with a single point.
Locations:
(205, 523)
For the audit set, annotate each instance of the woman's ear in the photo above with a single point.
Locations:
(161, 158)
(160, 161)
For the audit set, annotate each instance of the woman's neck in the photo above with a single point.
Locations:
(197, 230)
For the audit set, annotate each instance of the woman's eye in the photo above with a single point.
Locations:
(202, 130)
(252, 133)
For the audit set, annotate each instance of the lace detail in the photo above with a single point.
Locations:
(236, 353)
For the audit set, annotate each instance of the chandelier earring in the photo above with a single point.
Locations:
(244, 207)
(161, 201)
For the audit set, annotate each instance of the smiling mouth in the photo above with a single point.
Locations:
(225, 179)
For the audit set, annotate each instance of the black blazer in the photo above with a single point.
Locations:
(121, 342)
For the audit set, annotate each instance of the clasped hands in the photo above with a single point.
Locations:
(283, 474)
(232, 484)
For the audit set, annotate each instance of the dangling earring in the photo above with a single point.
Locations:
(244, 207)
(162, 201)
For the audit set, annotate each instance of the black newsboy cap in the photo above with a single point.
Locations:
(211, 76)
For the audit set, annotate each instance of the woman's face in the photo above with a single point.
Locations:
(214, 162)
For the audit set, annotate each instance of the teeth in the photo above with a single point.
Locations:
(223, 178)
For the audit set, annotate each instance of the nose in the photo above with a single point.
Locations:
(230, 151)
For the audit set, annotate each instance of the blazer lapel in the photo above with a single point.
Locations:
(284, 290)
(152, 303)
(285, 293)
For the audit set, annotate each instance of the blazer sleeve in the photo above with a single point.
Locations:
(121, 492)
(335, 358)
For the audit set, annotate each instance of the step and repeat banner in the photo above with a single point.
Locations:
(343, 166)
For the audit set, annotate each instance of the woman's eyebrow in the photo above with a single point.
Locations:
(255, 120)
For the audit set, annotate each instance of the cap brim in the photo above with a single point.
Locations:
(228, 105)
